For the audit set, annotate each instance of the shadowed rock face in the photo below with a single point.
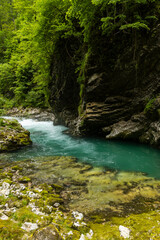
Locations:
(12, 135)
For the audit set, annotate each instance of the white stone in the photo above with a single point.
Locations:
(6, 205)
(90, 234)
(4, 217)
(33, 195)
(35, 209)
(28, 226)
(82, 237)
(124, 231)
(22, 186)
(77, 215)
(5, 185)
(38, 189)
(50, 208)
(5, 189)
(77, 224)
(83, 224)
(56, 205)
(70, 233)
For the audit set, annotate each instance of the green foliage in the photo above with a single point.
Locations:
(149, 105)
(30, 31)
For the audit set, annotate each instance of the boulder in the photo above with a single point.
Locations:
(12, 135)
(47, 233)
(126, 130)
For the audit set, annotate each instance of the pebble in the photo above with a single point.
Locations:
(70, 233)
(56, 205)
(4, 217)
(90, 234)
(77, 215)
(33, 195)
(124, 231)
(82, 237)
(5, 189)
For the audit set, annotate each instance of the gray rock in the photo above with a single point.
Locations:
(28, 226)
(47, 233)
(126, 130)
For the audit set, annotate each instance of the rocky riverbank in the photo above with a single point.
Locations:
(34, 113)
(60, 198)
(12, 135)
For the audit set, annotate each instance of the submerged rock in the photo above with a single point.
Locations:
(12, 135)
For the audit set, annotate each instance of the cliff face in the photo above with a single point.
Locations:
(63, 85)
(121, 96)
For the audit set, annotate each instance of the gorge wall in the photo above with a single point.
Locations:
(120, 98)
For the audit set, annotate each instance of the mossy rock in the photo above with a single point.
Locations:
(57, 188)
(52, 200)
(12, 135)
(24, 179)
(49, 232)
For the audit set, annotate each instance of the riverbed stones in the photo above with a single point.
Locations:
(94, 203)
(12, 135)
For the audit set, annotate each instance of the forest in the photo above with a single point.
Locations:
(34, 32)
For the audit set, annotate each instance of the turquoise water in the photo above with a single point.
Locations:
(49, 140)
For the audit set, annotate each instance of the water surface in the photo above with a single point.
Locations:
(50, 140)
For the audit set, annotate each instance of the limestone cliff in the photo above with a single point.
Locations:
(121, 94)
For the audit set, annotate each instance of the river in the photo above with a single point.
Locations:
(49, 140)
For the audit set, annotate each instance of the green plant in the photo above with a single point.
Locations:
(149, 105)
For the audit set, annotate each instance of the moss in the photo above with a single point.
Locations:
(46, 187)
(10, 230)
(2, 122)
(17, 168)
(39, 203)
(3, 200)
(149, 105)
(146, 229)
(4, 175)
(24, 179)
(52, 200)
(12, 135)
(8, 181)
(44, 192)
(58, 188)
(25, 215)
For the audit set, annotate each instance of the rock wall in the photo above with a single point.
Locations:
(121, 95)
(63, 85)
(124, 103)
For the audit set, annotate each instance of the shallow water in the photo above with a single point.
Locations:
(50, 140)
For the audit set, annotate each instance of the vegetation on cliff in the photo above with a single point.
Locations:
(33, 32)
